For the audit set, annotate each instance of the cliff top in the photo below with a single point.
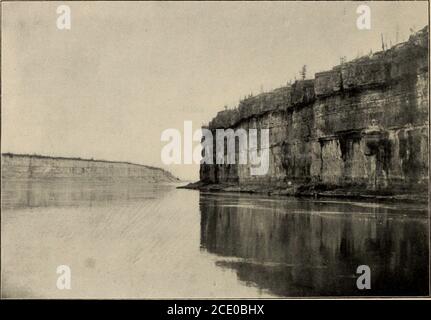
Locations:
(381, 68)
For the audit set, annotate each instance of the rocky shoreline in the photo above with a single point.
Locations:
(312, 190)
(358, 130)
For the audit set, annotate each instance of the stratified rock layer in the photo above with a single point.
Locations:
(318, 127)
(15, 166)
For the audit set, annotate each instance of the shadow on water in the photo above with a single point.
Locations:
(294, 247)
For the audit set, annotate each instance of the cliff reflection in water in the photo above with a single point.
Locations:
(293, 247)
(127, 239)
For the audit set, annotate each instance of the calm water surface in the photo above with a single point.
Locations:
(129, 240)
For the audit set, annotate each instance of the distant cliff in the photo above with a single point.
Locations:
(15, 166)
(359, 128)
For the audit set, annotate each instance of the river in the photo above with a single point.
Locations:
(131, 240)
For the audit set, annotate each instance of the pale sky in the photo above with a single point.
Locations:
(126, 71)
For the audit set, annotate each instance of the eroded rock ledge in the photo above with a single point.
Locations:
(17, 166)
(359, 129)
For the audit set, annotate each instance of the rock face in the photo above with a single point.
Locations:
(362, 125)
(15, 166)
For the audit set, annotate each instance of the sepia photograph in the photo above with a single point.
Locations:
(215, 150)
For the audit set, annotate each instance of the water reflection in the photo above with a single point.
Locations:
(66, 192)
(294, 247)
(121, 239)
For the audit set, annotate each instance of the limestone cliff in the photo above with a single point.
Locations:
(361, 126)
(14, 166)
